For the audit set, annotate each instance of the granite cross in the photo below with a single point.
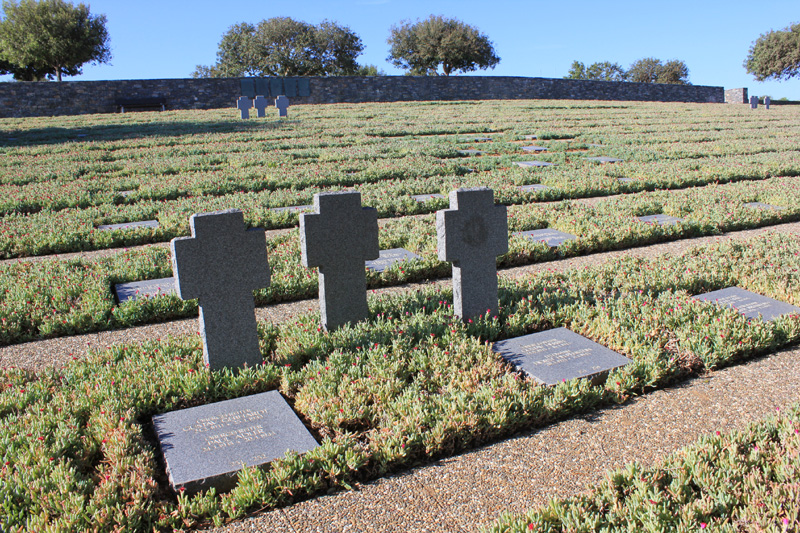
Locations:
(244, 104)
(767, 101)
(754, 102)
(338, 237)
(282, 103)
(471, 234)
(261, 104)
(221, 265)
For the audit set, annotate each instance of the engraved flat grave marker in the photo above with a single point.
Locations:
(625, 180)
(471, 234)
(261, 103)
(470, 152)
(761, 205)
(534, 148)
(534, 187)
(551, 237)
(661, 219)
(480, 140)
(557, 355)
(604, 159)
(206, 446)
(389, 257)
(338, 238)
(243, 104)
(125, 194)
(129, 225)
(528, 164)
(426, 197)
(530, 137)
(136, 290)
(750, 304)
(282, 103)
(221, 264)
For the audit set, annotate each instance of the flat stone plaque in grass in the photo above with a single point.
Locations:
(530, 137)
(426, 197)
(129, 225)
(470, 152)
(761, 205)
(661, 219)
(480, 140)
(551, 237)
(557, 355)
(604, 159)
(293, 208)
(206, 446)
(125, 194)
(144, 289)
(625, 180)
(534, 148)
(389, 257)
(534, 187)
(750, 304)
(528, 164)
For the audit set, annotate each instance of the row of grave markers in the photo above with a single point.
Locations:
(222, 263)
(261, 103)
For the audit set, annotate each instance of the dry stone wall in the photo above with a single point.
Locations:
(21, 99)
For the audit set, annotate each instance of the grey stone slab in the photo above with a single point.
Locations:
(125, 194)
(625, 180)
(761, 205)
(604, 159)
(282, 103)
(530, 137)
(528, 164)
(262, 87)
(207, 446)
(534, 148)
(471, 234)
(135, 290)
(557, 355)
(534, 187)
(480, 139)
(293, 208)
(750, 304)
(303, 87)
(221, 264)
(248, 87)
(275, 87)
(243, 104)
(261, 103)
(338, 238)
(551, 237)
(389, 257)
(290, 87)
(129, 225)
(470, 152)
(426, 197)
(661, 219)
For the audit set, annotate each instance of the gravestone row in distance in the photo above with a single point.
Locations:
(260, 103)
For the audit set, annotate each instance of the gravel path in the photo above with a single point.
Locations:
(465, 492)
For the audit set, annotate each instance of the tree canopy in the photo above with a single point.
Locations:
(282, 46)
(423, 46)
(605, 71)
(51, 38)
(775, 55)
(652, 70)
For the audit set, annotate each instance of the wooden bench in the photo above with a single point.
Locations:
(141, 103)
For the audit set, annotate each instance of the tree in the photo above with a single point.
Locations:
(282, 46)
(604, 71)
(51, 38)
(421, 47)
(775, 55)
(369, 70)
(652, 70)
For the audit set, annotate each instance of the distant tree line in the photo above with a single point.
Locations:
(647, 70)
(282, 46)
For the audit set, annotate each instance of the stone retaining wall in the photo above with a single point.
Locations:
(20, 99)
(736, 96)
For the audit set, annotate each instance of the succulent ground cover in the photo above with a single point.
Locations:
(739, 481)
(409, 384)
(412, 383)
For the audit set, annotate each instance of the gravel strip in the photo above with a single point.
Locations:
(59, 351)
(468, 491)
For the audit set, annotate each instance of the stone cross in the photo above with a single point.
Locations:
(767, 101)
(221, 265)
(282, 103)
(753, 102)
(471, 234)
(244, 104)
(338, 238)
(261, 104)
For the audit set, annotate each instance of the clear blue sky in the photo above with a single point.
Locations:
(168, 38)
